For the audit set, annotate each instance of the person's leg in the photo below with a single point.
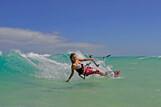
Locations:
(99, 72)
(90, 71)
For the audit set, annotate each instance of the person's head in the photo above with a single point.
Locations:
(73, 57)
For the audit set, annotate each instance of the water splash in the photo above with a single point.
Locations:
(44, 65)
(47, 68)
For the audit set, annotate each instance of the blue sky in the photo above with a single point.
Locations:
(123, 27)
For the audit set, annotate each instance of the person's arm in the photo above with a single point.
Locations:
(86, 59)
(72, 72)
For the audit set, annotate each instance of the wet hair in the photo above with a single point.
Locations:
(71, 57)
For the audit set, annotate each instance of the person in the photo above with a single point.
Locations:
(81, 69)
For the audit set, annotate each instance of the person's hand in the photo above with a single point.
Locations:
(92, 59)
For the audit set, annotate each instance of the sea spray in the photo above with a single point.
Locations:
(56, 67)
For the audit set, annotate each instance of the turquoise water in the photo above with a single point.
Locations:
(33, 80)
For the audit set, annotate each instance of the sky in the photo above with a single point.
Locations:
(117, 27)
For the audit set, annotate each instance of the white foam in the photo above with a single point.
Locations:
(0, 52)
(46, 67)
(51, 69)
(146, 57)
(143, 57)
(159, 56)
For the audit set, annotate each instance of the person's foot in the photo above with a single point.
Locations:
(116, 73)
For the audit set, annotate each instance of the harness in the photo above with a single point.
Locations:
(81, 72)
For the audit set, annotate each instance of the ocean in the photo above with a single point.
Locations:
(35, 80)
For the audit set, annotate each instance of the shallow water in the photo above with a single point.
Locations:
(33, 80)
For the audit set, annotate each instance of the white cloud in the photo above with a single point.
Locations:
(28, 40)
(28, 36)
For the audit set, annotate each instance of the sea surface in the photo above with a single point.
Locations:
(35, 80)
